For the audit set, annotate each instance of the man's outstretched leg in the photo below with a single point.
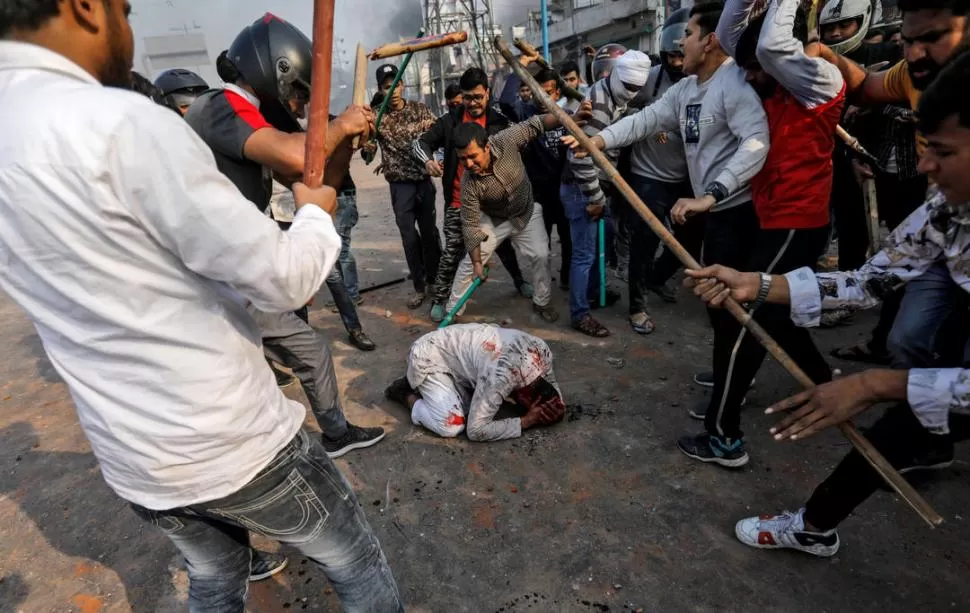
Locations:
(290, 341)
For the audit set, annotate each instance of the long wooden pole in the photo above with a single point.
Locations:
(418, 44)
(567, 91)
(315, 160)
(360, 83)
(863, 446)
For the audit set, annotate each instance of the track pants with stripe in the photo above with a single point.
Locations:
(734, 239)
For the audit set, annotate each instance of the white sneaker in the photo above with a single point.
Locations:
(786, 531)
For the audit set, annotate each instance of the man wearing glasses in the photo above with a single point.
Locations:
(476, 108)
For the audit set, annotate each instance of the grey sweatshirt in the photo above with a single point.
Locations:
(660, 156)
(722, 122)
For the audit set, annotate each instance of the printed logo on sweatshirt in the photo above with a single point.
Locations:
(692, 126)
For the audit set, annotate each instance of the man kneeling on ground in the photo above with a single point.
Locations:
(462, 374)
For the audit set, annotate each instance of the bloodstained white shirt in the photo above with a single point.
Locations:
(135, 258)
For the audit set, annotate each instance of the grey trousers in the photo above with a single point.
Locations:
(290, 341)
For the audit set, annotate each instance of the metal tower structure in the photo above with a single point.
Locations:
(473, 16)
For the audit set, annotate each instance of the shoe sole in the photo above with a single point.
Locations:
(809, 551)
(738, 463)
(710, 384)
(703, 416)
(267, 575)
(359, 445)
(937, 466)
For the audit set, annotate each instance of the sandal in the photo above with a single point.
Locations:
(642, 324)
(861, 353)
(590, 327)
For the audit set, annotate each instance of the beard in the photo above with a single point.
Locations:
(931, 68)
(116, 71)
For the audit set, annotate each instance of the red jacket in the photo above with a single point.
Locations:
(793, 189)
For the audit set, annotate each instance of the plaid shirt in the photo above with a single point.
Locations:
(504, 193)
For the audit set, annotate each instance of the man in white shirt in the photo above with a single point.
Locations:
(463, 374)
(135, 258)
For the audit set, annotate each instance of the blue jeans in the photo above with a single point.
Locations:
(583, 231)
(300, 499)
(345, 221)
(927, 304)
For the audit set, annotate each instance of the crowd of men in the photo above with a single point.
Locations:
(166, 288)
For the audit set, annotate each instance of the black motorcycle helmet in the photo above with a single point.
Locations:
(605, 59)
(180, 87)
(674, 30)
(274, 58)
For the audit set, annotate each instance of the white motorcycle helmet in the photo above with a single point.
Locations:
(843, 10)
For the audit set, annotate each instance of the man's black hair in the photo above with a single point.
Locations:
(957, 7)
(377, 100)
(748, 43)
(226, 69)
(452, 90)
(569, 66)
(946, 96)
(545, 75)
(468, 133)
(472, 78)
(26, 15)
(545, 390)
(708, 14)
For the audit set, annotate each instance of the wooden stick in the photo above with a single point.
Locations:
(418, 44)
(360, 85)
(863, 446)
(857, 147)
(319, 107)
(872, 215)
(528, 49)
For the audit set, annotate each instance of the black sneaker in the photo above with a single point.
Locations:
(706, 379)
(361, 341)
(936, 458)
(700, 409)
(283, 379)
(355, 438)
(713, 449)
(264, 565)
(398, 391)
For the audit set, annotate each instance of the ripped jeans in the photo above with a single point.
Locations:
(301, 500)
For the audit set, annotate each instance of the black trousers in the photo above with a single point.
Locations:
(899, 437)
(898, 198)
(691, 236)
(414, 212)
(454, 251)
(737, 355)
(660, 197)
(849, 209)
(554, 215)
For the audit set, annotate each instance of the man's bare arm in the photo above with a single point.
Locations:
(864, 88)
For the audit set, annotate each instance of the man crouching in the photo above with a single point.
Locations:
(462, 374)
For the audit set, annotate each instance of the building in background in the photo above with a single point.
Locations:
(445, 66)
(572, 24)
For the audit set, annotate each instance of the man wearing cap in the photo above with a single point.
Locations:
(412, 192)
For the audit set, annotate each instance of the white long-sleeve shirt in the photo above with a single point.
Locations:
(134, 257)
(937, 232)
(490, 360)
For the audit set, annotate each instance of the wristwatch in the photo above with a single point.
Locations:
(717, 190)
(763, 291)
